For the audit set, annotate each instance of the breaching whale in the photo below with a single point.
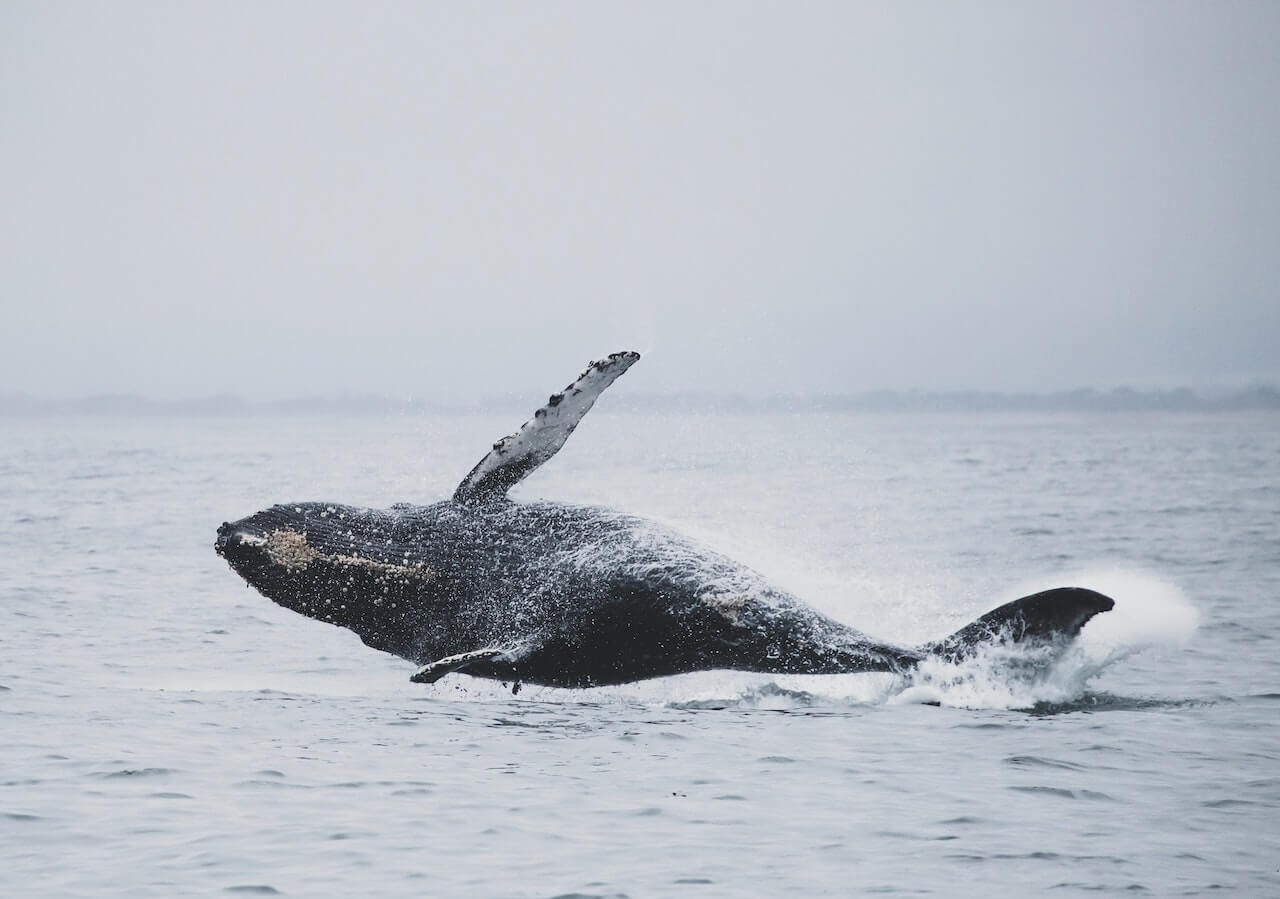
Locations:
(571, 596)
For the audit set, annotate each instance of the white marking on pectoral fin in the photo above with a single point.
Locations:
(540, 437)
(433, 671)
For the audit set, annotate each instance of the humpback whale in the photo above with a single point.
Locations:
(566, 595)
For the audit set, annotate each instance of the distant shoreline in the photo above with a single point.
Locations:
(1121, 399)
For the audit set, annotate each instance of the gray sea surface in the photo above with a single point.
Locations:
(168, 732)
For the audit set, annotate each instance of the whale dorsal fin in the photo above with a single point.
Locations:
(540, 437)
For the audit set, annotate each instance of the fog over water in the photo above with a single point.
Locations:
(315, 198)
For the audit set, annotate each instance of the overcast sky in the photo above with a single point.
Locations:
(468, 199)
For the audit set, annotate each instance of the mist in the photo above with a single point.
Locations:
(443, 201)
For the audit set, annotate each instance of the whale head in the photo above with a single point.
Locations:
(336, 564)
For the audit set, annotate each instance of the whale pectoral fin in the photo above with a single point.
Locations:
(540, 437)
(1053, 615)
(433, 671)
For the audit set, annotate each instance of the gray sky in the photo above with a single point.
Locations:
(293, 198)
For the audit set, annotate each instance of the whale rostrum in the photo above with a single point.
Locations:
(567, 595)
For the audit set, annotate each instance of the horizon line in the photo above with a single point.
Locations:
(1083, 399)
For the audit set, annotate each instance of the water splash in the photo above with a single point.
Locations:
(1150, 612)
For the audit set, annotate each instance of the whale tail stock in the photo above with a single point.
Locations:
(1051, 616)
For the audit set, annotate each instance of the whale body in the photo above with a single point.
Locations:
(566, 595)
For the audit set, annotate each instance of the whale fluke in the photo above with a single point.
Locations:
(1048, 616)
(541, 437)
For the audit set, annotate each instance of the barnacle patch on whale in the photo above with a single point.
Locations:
(290, 549)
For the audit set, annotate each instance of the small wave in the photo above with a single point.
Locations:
(1231, 803)
(782, 693)
(1110, 702)
(275, 784)
(1061, 793)
(1034, 761)
(767, 696)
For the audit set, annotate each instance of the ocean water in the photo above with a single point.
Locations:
(167, 731)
